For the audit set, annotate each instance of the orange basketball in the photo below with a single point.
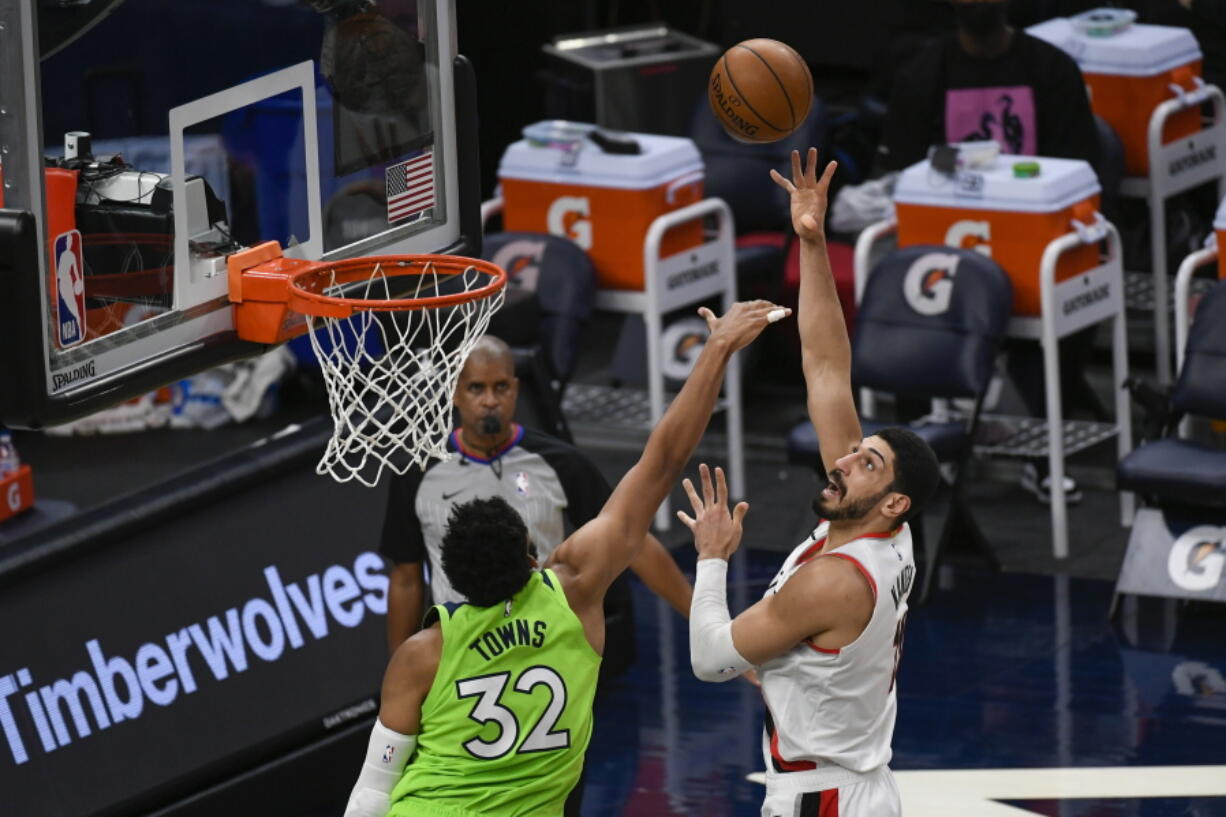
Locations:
(760, 90)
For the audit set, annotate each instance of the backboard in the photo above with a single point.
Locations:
(142, 142)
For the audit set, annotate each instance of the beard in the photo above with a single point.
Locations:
(490, 424)
(851, 510)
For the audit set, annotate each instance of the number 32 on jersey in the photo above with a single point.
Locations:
(495, 704)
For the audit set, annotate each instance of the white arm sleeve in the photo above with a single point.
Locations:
(386, 756)
(712, 654)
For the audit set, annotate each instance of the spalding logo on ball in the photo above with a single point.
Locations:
(760, 90)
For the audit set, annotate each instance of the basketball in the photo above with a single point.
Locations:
(760, 90)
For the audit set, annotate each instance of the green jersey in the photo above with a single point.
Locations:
(508, 717)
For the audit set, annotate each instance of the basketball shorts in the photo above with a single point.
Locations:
(874, 794)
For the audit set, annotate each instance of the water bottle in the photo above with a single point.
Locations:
(9, 461)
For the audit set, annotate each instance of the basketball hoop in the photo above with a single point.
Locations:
(390, 364)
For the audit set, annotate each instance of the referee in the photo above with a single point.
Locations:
(553, 486)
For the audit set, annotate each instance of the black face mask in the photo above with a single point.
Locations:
(980, 20)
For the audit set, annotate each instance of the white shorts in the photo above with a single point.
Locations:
(871, 795)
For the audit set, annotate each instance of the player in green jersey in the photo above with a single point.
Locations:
(487, 711)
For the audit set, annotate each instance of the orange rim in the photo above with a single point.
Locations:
(351, 270)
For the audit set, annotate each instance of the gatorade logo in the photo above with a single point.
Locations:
(14, 496)
(569, 216)
(1197, 558)
(970, 235)
(70, 289)
(929, 283)
(682, 342)
(521, 259)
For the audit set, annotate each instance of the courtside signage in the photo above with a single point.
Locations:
(40, 713)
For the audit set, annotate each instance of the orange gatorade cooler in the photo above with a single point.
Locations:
(602, 191)
(1009, 218)
(1130, 73)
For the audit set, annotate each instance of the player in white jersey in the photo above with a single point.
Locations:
(827, 635)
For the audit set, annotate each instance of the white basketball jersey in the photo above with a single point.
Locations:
(837, 706)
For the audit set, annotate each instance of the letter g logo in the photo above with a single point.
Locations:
(1197, 558)
(14, 497)
(929, 283)
(568, 217)
(970, 235)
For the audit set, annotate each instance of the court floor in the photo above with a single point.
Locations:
(1017, 697)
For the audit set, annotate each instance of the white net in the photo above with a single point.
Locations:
(390, 376)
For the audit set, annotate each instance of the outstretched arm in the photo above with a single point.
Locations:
(594, 555)
(825, 347)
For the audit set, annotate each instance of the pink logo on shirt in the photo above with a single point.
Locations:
(1004, 114)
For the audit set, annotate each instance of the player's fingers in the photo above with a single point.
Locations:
(738, 513)
(721, 487)
(797, 175)
(708, 492)
(686, 519)
(828, 173)
(777, 314)
(692, 494)
(782, 182)
(708, 316)
(811, 166)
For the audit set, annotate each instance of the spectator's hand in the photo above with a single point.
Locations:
(717, 533)
(743, 322)
(808, 195)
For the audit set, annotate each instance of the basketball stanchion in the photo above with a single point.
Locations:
(390, 350)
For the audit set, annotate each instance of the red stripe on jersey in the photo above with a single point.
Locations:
(811, 551)
(823, 650)
(863, 570)
(830, 804)
(788, 765)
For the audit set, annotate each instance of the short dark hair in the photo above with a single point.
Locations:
(485, 551)
(917, 472)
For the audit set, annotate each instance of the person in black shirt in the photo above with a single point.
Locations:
(987, 80)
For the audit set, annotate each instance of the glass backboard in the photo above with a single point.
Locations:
(142, 142)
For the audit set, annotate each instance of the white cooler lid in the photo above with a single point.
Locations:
(1137, 51)
(1061, 183)
(663, 158)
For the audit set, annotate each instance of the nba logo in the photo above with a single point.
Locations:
(388, 752)
(70, 289)
(521, 483)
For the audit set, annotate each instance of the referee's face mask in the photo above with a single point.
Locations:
(981, 18)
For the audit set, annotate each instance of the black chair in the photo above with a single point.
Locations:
(928, 329)
(1170, 472)
(550, 293)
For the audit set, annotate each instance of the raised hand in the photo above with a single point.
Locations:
(743, 322)
(808, 194)
(717, 532)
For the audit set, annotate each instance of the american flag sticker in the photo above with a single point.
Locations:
(410, 186)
